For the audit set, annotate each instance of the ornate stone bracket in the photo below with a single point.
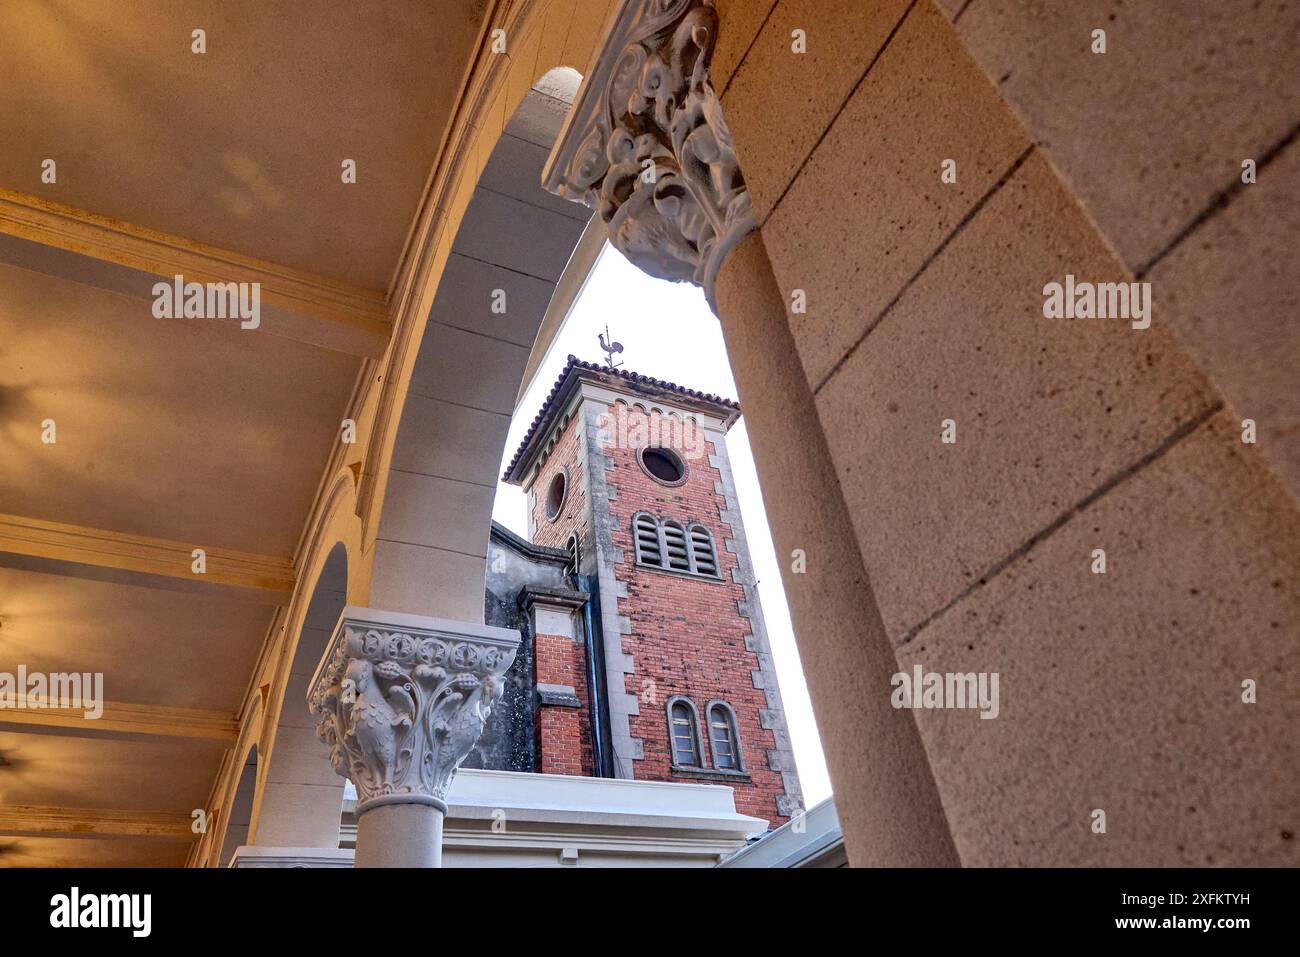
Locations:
(402, 699)
(646, 145)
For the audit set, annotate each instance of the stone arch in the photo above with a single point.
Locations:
(506, 259)
(239, 818)
(301, 797)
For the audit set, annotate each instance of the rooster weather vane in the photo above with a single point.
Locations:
(611, 348)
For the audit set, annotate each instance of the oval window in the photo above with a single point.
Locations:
(555, 495)
(664, 465)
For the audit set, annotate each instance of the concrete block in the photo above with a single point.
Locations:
(1233, 296)
(427, 510)
(1147, 133)
(438, 438)
(1046, 410)
(468, 369)
(1123, 691)
(774, 134)
(873, 191)
(427, 581)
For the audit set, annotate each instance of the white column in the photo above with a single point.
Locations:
(401, 700)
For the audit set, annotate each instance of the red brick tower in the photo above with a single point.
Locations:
(630, 476)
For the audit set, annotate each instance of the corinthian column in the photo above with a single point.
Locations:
(646, 146)
(401, 700)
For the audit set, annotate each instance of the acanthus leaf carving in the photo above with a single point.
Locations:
(648, 148)
(402, 707)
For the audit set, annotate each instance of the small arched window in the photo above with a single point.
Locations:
(724, 739)
(667, 543)
(674, 542)
(683, 733)
(704, 561)
(645, 531)
(575, 557)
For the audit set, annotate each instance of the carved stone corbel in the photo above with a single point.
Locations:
(647, 147)
(402, 699)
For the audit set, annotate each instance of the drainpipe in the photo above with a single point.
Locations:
(597, 697)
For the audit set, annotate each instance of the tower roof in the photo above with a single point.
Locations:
(623, 380)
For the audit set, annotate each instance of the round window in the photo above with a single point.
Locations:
(664, 465)
(555, 495)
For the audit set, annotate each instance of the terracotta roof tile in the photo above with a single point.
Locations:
(633, 378)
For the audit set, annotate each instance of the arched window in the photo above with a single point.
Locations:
(683, 733)
(667, 543)
(674, 541)
(724, 738)
(575, 556)
(645, 532)
(704, 560)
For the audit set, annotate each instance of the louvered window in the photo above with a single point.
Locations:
(666, 543)
(645, 530)
(703, 560)
(571, 546)
(676, 555)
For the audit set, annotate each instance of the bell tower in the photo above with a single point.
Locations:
(629, 477)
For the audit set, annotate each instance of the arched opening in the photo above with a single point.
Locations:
(241, 809)
(506, 277)
(302, 797)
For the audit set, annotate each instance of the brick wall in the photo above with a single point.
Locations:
(574, 515)
(687, 635)
(563, 733)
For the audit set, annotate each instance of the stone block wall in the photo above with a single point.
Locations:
(1121, 691)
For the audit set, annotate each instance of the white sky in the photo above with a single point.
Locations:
(669, 332)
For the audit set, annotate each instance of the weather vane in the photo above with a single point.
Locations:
(611, 348)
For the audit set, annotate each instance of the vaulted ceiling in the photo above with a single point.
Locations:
(175, 434)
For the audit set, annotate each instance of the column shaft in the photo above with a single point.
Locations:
(400, 835)
(884, 790)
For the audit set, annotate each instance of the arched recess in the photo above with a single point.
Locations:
(301, 795)
(507, 257)
(241, 810)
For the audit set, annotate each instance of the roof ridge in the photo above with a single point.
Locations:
(626, 374)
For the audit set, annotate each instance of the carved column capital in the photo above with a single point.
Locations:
(402, 699)
(647, 147)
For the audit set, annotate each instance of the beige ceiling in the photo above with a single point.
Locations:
(164, 426)
(182, 433)
(240, 147)
(154, 645)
